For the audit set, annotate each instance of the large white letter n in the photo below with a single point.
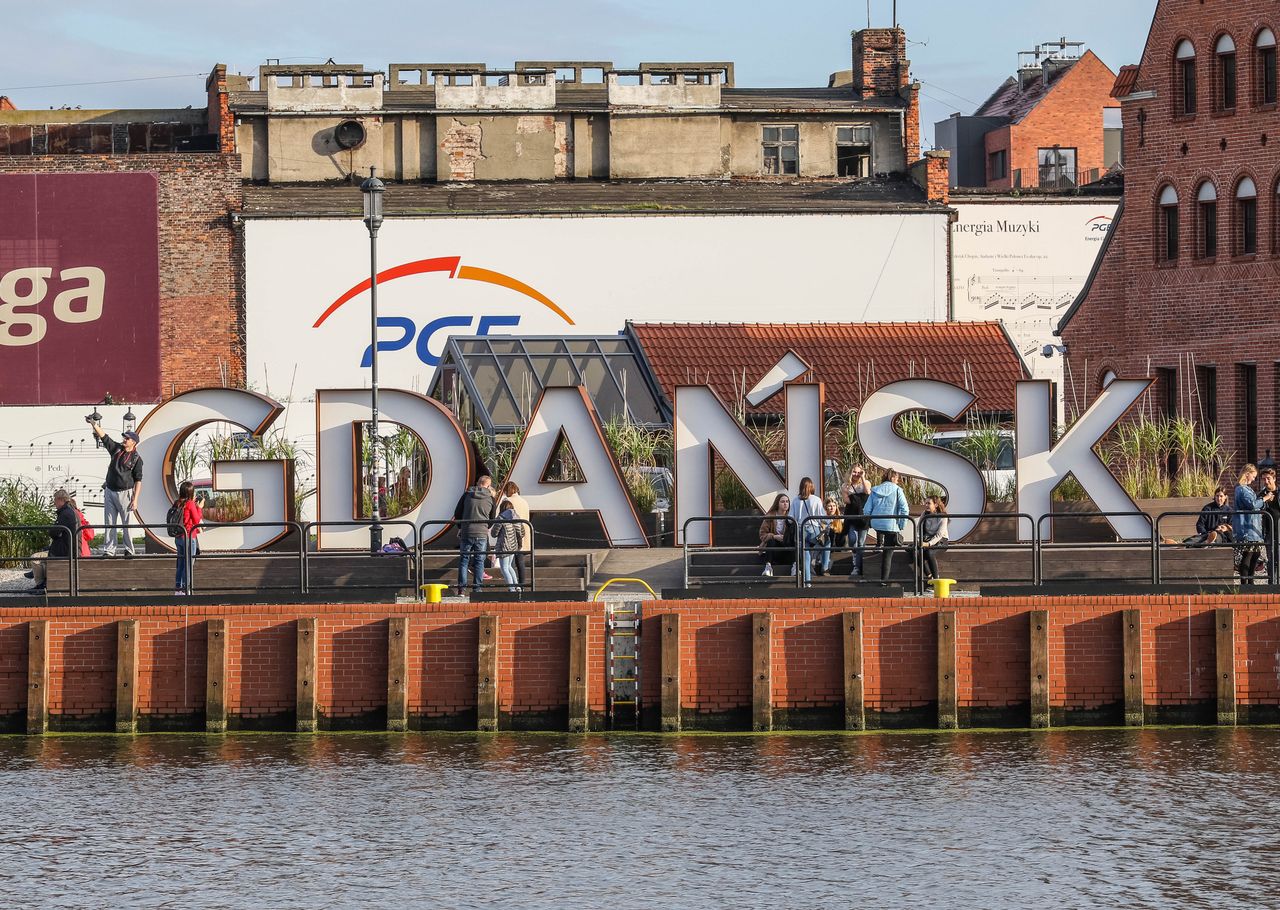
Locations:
(1042, 466)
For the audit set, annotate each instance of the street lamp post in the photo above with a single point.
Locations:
(372, 190)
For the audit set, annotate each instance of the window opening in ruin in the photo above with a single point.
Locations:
(781, 146)
(1057, 167)
(1186, 67)
(998, 164)
(853, 151)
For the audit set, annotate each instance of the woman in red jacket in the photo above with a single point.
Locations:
(192, 515)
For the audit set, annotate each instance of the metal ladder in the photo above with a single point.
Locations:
(622, 658)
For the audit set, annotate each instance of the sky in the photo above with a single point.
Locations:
(156, 53)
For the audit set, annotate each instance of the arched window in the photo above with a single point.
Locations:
(1185, 78)
(1225, 69)
(1207, 221)
(1246, 218)
(1265, 55)
(1168, 225)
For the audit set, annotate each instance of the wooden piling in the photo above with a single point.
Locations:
(38, 676)
(854, 710)
(947, 714)
(215, 677)
(579, 667)
(1039, 668)
(762, 672)
(1224, 624)
(397, 673)
(127, 676)
(487, 675)
(671, 673)
(306, 675)
(1131, 622)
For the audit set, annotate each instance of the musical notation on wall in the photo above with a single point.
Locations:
(1010, 294)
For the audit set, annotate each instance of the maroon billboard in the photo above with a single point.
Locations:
(79, 288)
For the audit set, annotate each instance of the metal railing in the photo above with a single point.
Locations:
(410, 552)
(712, 520)
(527, 548)
(73, 544)
(1268, 534)
(917, 573)
(1040, 542)
(287, 526)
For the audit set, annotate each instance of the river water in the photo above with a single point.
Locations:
(1151, 818)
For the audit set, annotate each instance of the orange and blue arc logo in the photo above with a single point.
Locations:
(452, 265)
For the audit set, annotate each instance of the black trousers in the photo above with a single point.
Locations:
(930, 557)
(889, 542)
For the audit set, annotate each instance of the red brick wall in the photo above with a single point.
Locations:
(201, 301)
(1070, 116)
(1139, 312)
(912, 138)
(221, 121)
(880, 64)
(899, 643)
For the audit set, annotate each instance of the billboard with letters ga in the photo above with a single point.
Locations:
(79, 288)
(307, 282)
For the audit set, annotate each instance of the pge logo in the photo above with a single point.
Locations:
(1096, 228)
(23, 290)
(409, 329)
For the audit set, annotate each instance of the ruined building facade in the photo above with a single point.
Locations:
(573, 120)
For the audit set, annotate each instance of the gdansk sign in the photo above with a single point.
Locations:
(703, 429)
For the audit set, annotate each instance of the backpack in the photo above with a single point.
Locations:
(173, 521)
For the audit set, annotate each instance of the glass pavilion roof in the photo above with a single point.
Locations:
(494, 382)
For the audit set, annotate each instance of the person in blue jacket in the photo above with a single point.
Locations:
(1246, 524)
(888, 509)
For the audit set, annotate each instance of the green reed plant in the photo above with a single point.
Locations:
(22, 503)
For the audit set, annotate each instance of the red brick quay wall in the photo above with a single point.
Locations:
(757, 664)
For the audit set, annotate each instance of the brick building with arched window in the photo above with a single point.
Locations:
(1186, 288)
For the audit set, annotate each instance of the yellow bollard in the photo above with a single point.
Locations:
(433, 592)
(942, 587)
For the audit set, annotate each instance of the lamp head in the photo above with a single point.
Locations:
(372, 189)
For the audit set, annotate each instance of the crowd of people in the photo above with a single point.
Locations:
(493, 525)
(845, 522)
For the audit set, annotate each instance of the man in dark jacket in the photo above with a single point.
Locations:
(121, 489)
(1214, 523)
(473, 513)
(63, 540)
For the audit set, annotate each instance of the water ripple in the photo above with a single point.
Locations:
(1150, 818)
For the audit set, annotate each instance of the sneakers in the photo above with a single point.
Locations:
(28, 574)
(768, 570)
(108, 554)
(128, 554)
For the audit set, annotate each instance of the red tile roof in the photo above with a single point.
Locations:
(1126, 81)
(852, 359)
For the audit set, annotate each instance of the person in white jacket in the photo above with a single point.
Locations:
(807, 505)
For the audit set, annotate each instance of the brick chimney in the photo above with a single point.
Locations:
(6, 104)
(221, 122)
(880, 64)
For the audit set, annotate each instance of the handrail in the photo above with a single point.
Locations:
(917, 572)
(307, 528)
(1015, 544)
(142, 526)
(288, 525)
(1039, 536)
(638, 581)
(73, 548)
(712, 548)
(1268, 540)
(444, 524)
